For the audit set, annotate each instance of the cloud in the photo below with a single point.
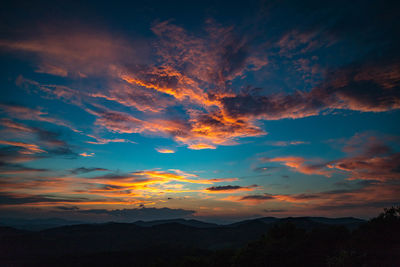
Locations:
(15, 126)
(84, 154)
(173, 175)
(13, 154)
(26, 147)
(299, 164)
(186, 75)
(250, 199)
(68, 208)
(103, 141)
(145, 186)
(25, 113)
(274, 210)
(12, 168)
(126, 188)
(194, 73)
(369, 158)
(218, 56)
(13, 199)
(365, 88)
(287, 143)
(133, 95)
(225, 189)
(201, 146)
(81, 170)
(375, 194)
(43, 138)
(75, 53)
(165, 150)
(130, 215)
(202, 131)
(370, 168)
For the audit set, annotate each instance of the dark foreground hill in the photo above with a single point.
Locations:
(301, 241)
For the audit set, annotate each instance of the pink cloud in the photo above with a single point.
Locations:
(299, 164)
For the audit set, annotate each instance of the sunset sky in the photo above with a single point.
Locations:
(196, 109)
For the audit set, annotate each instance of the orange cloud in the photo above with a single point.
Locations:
(151, 88)
(200, 132)
(201, 146)
(84, 154)
(169, 81)
(165, 150)
(133, 187)
(194, 73)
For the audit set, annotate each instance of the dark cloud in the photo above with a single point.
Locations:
(140, 213)
(369, 158)
(51, 140)
(13, 199)
(274, 210)
(86, 170)
(14, 168)
(364, 88)
(224, 188)
(369, 81)
(353, 206)
(257, 197)
(230, 188)
(371, 168)
(13, 154)
(360, 196)
(67, 208)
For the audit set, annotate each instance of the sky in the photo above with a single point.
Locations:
(213, 110)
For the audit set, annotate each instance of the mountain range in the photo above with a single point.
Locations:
(128, 241)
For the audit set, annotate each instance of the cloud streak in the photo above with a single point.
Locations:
(227, 189)
(299, 164)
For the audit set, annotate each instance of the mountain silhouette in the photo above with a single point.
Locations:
(188, 242)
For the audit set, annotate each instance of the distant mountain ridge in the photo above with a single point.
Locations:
(36, 224)
(305, 222)
(191, 222)
(127, 239)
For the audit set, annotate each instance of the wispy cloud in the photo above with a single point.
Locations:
(165, 150)
(370, 195)
(287, 143)
(86, 170)
(111, 188)
(369, 158)
(85, 154)
(227, 189)
(26, 113)
(300, 164)
(26, 147)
